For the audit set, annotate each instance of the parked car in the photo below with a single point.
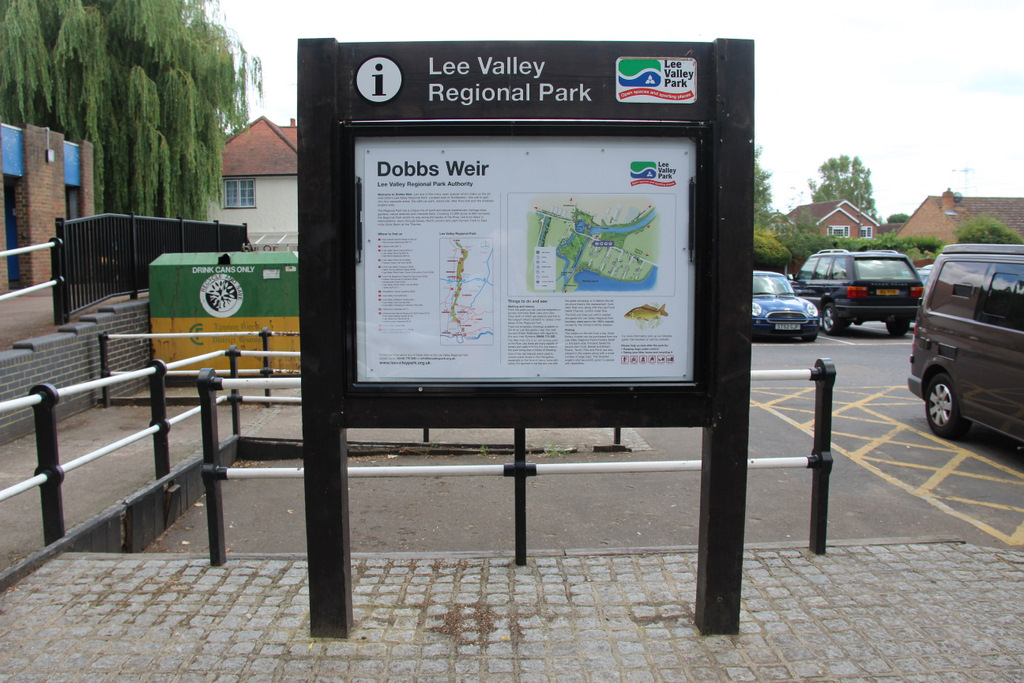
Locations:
(857, 287)
(968, 354)
(924, 272)
(778, 312)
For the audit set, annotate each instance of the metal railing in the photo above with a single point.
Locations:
(264, 334)
(214, 471)
(50, 472)
(25, 250)
(108, 255)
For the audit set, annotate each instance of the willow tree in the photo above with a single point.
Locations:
(153, 84)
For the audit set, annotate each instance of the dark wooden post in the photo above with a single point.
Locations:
(724, 469)
(325, 456)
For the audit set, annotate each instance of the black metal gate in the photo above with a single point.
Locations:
(108, 255)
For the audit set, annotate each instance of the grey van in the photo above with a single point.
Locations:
(968, 355)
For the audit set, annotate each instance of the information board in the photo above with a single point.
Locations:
(525, 259)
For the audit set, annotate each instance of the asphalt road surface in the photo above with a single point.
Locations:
(892, 478)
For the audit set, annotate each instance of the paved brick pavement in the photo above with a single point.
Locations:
(912, 612)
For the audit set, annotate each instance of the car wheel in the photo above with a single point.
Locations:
(942, 408)
(831, 322)
(898, 327)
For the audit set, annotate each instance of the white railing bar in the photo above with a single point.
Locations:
(28, 290)
(104, 381)
(182, 335)
(19, 403)
(542, 468)
(25, 250)
(229, 383)
(270, 354)
(657, 466)
(109, 448)
(22, 487)
(188, 335)
(769, 375)
(270, 399)
(194, 359)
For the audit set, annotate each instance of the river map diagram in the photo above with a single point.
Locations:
(467, 292)
(594, 243)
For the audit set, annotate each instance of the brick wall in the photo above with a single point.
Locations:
(41, 198)
(72, 356)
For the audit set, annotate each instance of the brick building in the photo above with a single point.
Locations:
(45, 177)
(838, 218)
(941, 216)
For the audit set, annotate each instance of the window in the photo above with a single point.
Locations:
(1004, 301)
(956, 284)
(839, 269)
(239, 193)
(839, 230)
(807, 271)
(821, 271)
(867, 232)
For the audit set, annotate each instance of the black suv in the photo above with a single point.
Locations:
(855, 287)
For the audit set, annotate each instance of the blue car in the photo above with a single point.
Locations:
(778, 312)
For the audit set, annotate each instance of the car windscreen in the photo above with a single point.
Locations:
(771, 286)
(884, 269)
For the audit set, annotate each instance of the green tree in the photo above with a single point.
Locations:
(763, 213)
(153, 84)
(898, 218)
(844, 178)
(769, 252)
(986, 230)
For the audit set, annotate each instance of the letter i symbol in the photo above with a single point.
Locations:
(378, 79)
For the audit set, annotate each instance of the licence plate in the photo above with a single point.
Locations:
(787, 326)
(887, 292)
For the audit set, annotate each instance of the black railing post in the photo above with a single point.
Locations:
(181, 234)
(104, 341)
(267, 371)
(520, 470)
(58, 273)
(208, 384)
(134, 245)
(48, 459)
(824, 380)
(216, 225)
(158, 413)
(235, 399)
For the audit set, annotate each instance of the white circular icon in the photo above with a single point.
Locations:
(221, 295)
(378, 79)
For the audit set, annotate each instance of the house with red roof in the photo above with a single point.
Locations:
(260, 183)
(941, 216)
(838, 218)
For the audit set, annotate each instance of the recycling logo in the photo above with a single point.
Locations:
(221, 295)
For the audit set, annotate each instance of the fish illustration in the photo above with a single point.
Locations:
(647, 313)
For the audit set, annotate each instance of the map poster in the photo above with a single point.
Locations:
(500, 259)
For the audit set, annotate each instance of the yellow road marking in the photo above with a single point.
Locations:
(871, 398)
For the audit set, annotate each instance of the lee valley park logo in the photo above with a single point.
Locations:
(657, 173)
(668, 80)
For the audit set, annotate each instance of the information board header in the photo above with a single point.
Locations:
(526, 80)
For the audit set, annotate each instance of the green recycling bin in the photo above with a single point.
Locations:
(225, 293)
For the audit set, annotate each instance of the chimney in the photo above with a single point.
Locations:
(292, 124)
(947, 200)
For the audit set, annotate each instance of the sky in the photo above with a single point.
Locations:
(929, 94)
